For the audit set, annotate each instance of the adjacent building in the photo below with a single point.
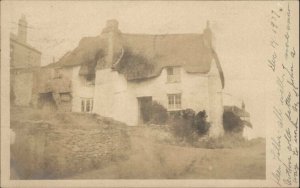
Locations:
(24, 62)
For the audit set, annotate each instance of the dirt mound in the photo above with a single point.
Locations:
(150, 159)
(57, 145)
(87, 146)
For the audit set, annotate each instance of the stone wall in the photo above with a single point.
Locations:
(45, 151)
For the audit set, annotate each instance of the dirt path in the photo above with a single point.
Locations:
(150, 160)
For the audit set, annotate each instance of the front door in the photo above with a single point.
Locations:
(144, 109)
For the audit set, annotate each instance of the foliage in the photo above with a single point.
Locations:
(201, 124)
(232, 123)
(187, 126)
(159, 113)
(154, 113)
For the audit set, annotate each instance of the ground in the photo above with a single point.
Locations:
(153, 158)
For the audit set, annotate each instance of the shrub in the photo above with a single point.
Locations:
(187, 126)
(232, 123)
(181, 128)
(200, 123)
(159, 113)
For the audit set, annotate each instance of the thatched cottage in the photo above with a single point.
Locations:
(115, 74)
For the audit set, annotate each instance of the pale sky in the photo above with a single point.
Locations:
(241, 34)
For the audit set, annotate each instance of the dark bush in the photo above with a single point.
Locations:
(200, 123)
(232, 123)
(188, 126)
(159, 113)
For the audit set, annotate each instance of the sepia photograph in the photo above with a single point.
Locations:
(150, 90)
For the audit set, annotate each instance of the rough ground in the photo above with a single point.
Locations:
(150, 159)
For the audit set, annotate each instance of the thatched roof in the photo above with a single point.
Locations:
(86, 52)
(140, 56)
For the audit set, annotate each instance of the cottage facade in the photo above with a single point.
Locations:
(116, 74)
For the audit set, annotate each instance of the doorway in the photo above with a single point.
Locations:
(145, 104)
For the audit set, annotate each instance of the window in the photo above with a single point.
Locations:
(174, 101)
(86, 105)
(173, 74)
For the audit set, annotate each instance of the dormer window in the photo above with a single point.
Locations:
(173, 74)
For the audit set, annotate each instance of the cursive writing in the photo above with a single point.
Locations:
(284, 145)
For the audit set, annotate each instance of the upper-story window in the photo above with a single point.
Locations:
(173, 74)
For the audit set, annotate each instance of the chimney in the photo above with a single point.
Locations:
(207, 36)
(112, 33)
(22, 29)
(111, 26)
(243, 105)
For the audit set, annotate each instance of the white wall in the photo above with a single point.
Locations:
(215, 102)
(117, 98)
(79, 90)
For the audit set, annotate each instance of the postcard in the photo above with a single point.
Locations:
(149, 94)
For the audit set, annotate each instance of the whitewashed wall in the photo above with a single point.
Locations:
(117, 98)
(215, 102)
(79, 90)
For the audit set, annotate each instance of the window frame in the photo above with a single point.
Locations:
(87, 105)
(174, 101)
(173, 74)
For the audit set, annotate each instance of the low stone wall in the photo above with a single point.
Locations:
(45, 151)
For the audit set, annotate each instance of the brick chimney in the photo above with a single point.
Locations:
(22, 29)
(243, 105)
(112, 33)
(111, 26)
(207, 36)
